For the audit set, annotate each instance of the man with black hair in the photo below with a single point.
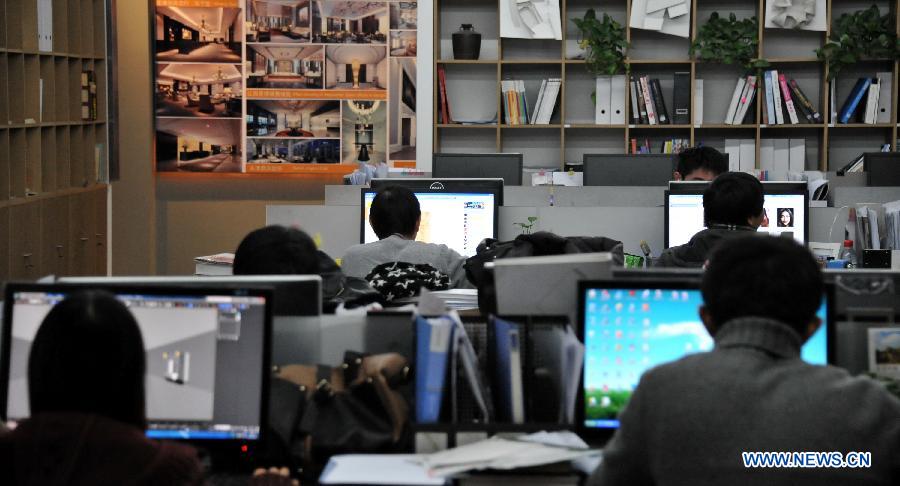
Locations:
(700, 164)
(395, 216)
(732, 205)
(690, 421)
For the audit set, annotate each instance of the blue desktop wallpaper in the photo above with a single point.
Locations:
(628, 331)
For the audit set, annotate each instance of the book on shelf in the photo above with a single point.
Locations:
(642, 106)
(743, 111)
(739, 91)
(670, 146)
(444, 112)
(659, 103)
(698, 101)
(648, 101)
(776, 98)
(852, 103)
(516, 110)
(806, 107)
(788, 100)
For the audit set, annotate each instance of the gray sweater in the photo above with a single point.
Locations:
(361, 259)
(688, 421)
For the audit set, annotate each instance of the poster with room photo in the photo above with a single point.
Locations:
(884, 352)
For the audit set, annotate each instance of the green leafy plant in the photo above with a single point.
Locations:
(604, 43)
(865, 34)
(526, 227)
(729, 41)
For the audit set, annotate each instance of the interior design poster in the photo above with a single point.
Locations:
(281, 86)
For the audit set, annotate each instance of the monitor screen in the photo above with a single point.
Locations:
(207, 357)
(628, 169)
(489, 165)
(459, 220)
(785, 216)
(628, 330)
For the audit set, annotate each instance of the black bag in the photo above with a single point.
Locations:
(541, 243)
(338, 288)
(318, 411)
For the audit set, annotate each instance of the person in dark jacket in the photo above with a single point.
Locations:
(690, 422)
(732, 206)
(86, 392)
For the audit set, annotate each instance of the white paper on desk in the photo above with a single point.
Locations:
(400, 469)
(530, 19)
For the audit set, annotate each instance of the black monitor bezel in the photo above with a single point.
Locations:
(595, 434)
(443, 155)
(473, 186)
(227, 445)
(768, 188)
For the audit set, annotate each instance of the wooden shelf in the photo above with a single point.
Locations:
(462, 125)
(791, 52)
(52, 193)
(466, 61)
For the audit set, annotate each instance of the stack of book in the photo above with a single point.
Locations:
(869, 101)
(739, 108)
(671, 146)
(784, 102)
(648, 106)
(515, 102)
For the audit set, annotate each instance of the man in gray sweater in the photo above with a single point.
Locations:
(395, 216)
(691, 421)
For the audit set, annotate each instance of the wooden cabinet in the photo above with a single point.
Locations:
(99, 203)
(55, 245)
(25, 241)
(4, 242)
(82, 234)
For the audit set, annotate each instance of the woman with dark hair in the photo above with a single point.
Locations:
(86, 391)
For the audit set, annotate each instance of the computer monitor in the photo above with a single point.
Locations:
(207, 352)
(457, 218)
(786, 213)
(628, 169)
(480, 166)
(629, 327)
(545, 285)
(447, 184)
(293, 295)
(881, 168)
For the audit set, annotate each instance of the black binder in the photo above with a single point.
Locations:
(681, 99)
(662, 115)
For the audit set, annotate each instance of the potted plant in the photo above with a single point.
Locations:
(865, 34)
(729, 41)
(604, 43)
(526, 227)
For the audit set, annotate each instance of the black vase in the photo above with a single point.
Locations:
(466, 43)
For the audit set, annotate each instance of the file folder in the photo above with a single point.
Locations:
(617, 100)
(604, 87)
(433, 338)
(508, 372)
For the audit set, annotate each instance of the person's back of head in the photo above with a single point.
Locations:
(88, 357)
(700, 164)
(735, 199)
(763, 276)
(276, 250)
(395, 211)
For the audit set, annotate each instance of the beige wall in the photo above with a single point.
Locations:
(159, 225)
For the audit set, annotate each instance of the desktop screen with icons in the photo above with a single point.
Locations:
(627, 331)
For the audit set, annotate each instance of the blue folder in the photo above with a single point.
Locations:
(433, 338)
(859, 90)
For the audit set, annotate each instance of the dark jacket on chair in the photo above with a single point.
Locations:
(688, 422)
(78, 449)
(694, 253)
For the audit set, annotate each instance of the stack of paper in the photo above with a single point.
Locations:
(458, 299)
(218, 264)
(393, 469)
(507, 454)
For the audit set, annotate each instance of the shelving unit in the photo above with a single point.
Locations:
(52, 163)
(473, 87)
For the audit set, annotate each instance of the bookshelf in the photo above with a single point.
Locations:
(53, 192)
(473, 87)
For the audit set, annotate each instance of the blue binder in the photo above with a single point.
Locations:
(859, 90)
(433, 338)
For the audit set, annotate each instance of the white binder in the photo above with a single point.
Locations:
(604, 87)
(797, 155)
(748, 155)
(885, 81)
(617, 99)
(733, 149)
(782, 156)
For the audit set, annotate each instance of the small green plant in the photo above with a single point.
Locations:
(729, 41)
(865, 34)
(604, 44)
(526, 227)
